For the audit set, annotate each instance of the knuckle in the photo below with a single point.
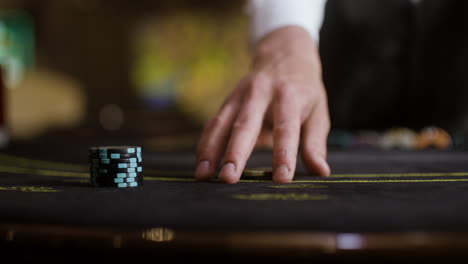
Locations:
(315, 147)
(283, 156)
(288, 98)
(203, 151)
(312, 150)
(241, 123)
(284, 87)
(234, 156)
(281, 126)
(202, 154)
(286, 126)
(215, 122)
(258, 79)
(253, 92)
(257, 86)
(281, 153)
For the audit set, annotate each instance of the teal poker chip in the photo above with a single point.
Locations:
(114, 170)
(114, 155)
(116, 175)
(115, 149)
(123, 165)
(103, 180)
(130, 184)
(114, 182)
(95, 179)
(119, 185)
(116, 166)
(115, 161)
(121, 180)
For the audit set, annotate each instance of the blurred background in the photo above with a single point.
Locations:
(160, 69)
(145, 67)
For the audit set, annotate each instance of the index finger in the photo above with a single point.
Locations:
(245, 130)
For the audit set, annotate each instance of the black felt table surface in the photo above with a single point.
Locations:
(369, 191)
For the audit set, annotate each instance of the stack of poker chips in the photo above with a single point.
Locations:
(116, 166)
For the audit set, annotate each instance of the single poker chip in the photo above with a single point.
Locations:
(119, 185)
(115, 149)
(116, 170)
(97, 177)
(114, 155)
(110, 176)
(122, 165)
(115, 161)
(116, 180)
(116, 175)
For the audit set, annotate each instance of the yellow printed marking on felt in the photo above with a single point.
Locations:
(369, 181)
(29, 162)
(42, 172)
(78, 181)
(48, 172)
(169, 172)
(33, 162)
(182, 179)
(280, 196)
(364, 175)
(24, 162)
(28, 189)
(422, 174)
(299, 186)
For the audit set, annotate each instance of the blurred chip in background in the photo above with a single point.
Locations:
(16, 45)
(35, 99)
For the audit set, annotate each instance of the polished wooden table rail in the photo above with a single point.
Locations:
(162, 240)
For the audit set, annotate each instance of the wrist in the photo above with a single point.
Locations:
(291, 43)
(288, 39)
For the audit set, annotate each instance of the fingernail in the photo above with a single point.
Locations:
(324, 167)
(227, 172)
(282, 174)
(203, 170)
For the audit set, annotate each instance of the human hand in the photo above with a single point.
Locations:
(283, 91)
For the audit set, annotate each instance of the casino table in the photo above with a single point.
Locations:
(392, 204)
